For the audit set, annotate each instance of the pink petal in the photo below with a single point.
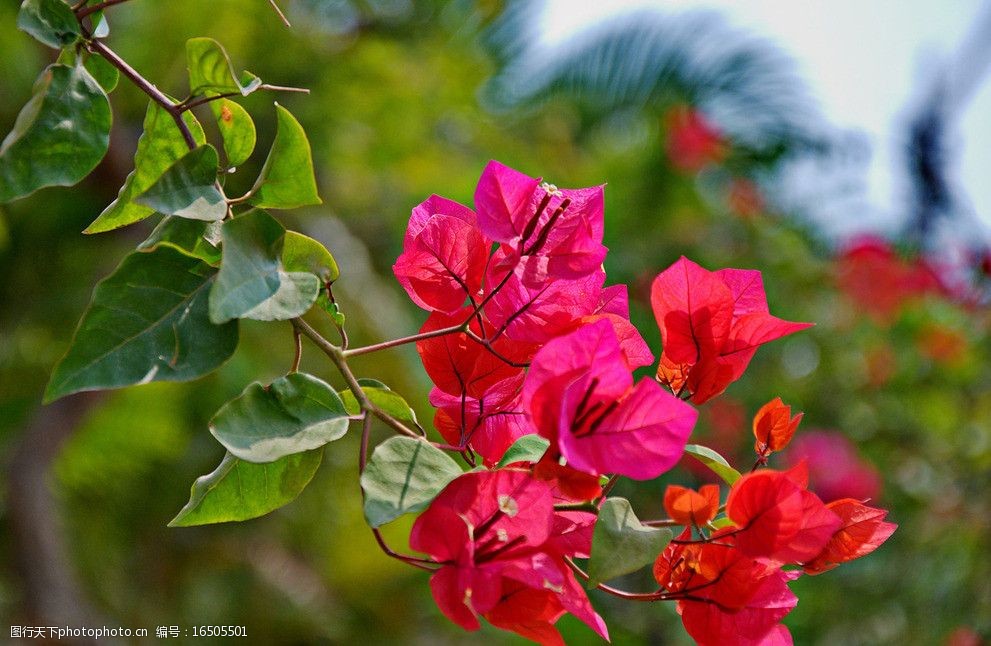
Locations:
(501, 197)
(644, 437)
(694, 310)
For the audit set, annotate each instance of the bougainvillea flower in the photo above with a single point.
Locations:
(879, 281)
(570, 485)
(546, 232)
(777, 518)
(579, 394)
(488, 424)
(756, 624)
(714, 570)
(774, 427)
(494, 534)
(538, 314)
(835, 468)
(688, 507)
(744, 198)
(711, 326)
(444, 255)
(692, 142)
(862, 531)
(457, 364)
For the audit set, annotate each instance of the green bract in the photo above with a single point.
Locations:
(60, 135)
(293, 414)
(147, 322)
(621, 543)
(239, 490)
(236, 129)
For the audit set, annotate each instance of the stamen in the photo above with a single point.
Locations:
(542, 238)
(532, 224)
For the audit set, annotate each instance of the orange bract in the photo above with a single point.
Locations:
(774, 426)
(689, 507)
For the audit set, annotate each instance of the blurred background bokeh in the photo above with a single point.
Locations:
(714, 145)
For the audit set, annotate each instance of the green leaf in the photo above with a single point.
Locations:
(402, 477)
(303, 253)
(722, 522)
(102, 28)
(161, 145)
(60, 135)
(286, 180)
(188, 188)
(332, 309)
(50, 21)
(252, 282)
(382, 396)
(102, 71)
(186, 236)
(716, 463)
(210, 69)
(621, 543)
(239, 490)
(293, 414)
(147, 322)
(236, 129)
(529, 448)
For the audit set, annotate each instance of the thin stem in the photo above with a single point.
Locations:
(191, 103)
(578, 506)
(336, 355)
(147, 87)
(298, 341)
(84, 11)
(609, 486)
(616, 592)
(423, 564)
(413, 338)
(662, 522)
(282, 16)
(488, 346)
(366, 430)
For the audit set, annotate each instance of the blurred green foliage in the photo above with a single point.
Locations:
(393, 116)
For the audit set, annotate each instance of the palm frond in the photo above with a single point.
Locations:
(743, 83)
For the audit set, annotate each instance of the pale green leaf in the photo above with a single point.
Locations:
(60, 135)
(161, 145)
(716, 463)
(287, 180)
(210, 69)
(303, 253)
(293, 414)
(240, 490)
(529, 448)
(50, 21)
(188, 188)
(402, 477)
(189, 237)
(252, 282)
(236, 129)
(621, 543)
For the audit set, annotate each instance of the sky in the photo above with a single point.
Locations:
(862, 60)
